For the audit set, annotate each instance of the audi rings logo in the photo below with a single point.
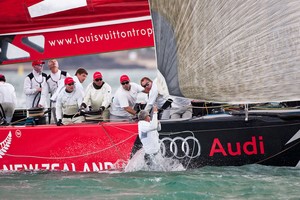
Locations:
(179, 147)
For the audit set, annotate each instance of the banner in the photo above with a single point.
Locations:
(32, 30)
(78, 148)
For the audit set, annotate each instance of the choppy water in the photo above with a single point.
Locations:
(246, 182)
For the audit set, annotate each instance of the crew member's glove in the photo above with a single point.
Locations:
(59, 123)
(167, 104)
(135, 117)
(139, 106)
(159, 113)
(102, 108)
(80, 112)
(3, 122)
(83, 106)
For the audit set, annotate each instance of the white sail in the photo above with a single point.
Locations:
(236, 51)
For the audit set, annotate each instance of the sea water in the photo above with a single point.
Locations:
(244, 182)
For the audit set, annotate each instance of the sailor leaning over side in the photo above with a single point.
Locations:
(158, 94)
(148, 134)
(68, 104)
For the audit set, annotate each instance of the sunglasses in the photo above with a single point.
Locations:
(146, 85)
(124, 83)
(98, 79)
(70, 84)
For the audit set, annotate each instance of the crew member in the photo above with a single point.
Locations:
(55, 80)
(79, 78)
(122, 107)
(98, 96)
(68, 104)
(157, 95)
(181, 108)
(8, 100)
(148, 134)
(34, 86)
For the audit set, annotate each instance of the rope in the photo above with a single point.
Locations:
(114, 145)
(49, 113)
(2, 113)
(13, 123)
(38, 101)
(69, 157)
(277, 153)
(32, 115)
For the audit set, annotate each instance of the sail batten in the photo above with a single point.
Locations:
(229, 51)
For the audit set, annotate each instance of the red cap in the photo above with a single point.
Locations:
(97, 75)
(37, 62)
(69, 80)
(2, 78)
(124, 78)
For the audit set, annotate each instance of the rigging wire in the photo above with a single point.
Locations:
(272, 156)
(113, 144)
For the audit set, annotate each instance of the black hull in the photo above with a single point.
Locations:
(232, 141)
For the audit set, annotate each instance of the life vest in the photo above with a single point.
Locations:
(53, 85)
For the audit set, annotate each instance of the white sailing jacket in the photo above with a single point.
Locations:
(124, 98)
(156, 96)
(98, 97)
(7, 93)
(33, 81)
(148, 134)
(68, 103)
(55, 81)
(61, 87)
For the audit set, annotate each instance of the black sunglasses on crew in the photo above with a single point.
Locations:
(98, 79)
(70, 84)
(146, 85)
(124, 83)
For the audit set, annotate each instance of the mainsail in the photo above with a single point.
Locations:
(231, 51)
